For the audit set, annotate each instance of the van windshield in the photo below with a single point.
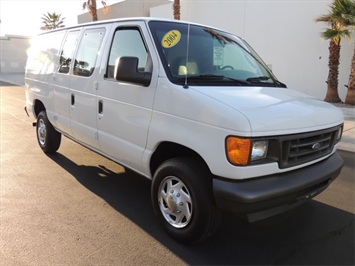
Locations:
(203, 56)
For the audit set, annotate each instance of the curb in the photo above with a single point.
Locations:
(17, 79)
(349, 113)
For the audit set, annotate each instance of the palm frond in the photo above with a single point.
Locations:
(52, 21)
(340, 18)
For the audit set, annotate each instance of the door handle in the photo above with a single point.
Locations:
(101, 107)
(72, 100)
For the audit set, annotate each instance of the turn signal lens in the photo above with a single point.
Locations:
(238, 150)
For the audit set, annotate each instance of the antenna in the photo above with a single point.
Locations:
(187, 55)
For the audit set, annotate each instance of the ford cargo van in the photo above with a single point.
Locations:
(192, 108)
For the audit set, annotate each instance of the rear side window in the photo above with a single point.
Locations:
(44, 52)
(67, 51)
(127, 42)
(87, 52)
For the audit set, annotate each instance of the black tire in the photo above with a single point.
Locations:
(48, 138)
(183, 200)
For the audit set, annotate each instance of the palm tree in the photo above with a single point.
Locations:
(350, 95)
(92, 8)
(337, 31)
(176, 8)
(52, 21)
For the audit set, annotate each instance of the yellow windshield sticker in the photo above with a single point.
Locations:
(171, 39)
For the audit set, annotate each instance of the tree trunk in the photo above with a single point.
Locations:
(176, 7)
(350, 95)
(93, 10)
(334, 55)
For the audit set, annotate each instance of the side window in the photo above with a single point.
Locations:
(87, 52)
(44, 52)
(127, 42)
(67, 52)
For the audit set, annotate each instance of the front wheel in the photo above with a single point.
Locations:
(183, 200)
(48, 138)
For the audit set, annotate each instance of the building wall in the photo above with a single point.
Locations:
(129, 8)
(13, 50)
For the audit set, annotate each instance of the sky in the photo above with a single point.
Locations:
(23, 17)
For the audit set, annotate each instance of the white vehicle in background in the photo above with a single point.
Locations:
(190, 107)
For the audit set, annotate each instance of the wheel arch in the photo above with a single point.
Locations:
(38, 107)
(167, 150)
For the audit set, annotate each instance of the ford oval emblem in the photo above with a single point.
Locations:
(316, 146)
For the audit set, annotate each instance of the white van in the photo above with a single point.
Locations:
(190, 107)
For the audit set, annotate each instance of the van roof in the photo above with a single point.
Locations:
(146, 19)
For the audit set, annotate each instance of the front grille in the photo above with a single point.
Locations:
(301, 148)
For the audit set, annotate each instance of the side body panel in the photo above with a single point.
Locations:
(84, 111)
(42, 62)
(126, 108)
(61, 82)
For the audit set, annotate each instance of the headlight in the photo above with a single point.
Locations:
(259, 150)
(339, 134)
(240, 151)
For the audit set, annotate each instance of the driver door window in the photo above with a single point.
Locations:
(127, 42)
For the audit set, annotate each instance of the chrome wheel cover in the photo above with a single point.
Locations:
(175, 202)
(41, 132)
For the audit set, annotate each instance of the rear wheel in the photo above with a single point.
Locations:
(48, 138)
(183, 200)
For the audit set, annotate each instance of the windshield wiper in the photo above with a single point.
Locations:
(262, 79)
(258, 79)
(218, 77)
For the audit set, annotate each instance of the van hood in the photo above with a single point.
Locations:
(276, 110)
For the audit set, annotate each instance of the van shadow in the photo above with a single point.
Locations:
(313, 234)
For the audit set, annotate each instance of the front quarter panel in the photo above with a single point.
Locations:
(189, 118)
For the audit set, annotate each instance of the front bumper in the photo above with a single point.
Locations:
(266, 196)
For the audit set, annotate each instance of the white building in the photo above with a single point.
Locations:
(13, 53)
(284, 33)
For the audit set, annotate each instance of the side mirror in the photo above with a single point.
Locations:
(126, 69)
